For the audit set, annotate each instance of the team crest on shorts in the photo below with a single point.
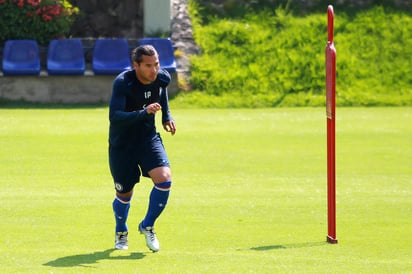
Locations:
(118, 186)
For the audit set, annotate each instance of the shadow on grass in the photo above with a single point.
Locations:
(86, 260)
(287, 246)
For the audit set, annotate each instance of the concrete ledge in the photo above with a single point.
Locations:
(84, 89)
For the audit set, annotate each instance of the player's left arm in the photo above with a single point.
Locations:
(167, 119)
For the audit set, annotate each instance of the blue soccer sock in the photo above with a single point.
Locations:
(157, 202)
(121, 207)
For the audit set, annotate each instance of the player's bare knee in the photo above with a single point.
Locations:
(163, 177)
(160, 175)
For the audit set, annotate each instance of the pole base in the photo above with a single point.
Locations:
(331, 240)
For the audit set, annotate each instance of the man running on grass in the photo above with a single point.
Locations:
(135, 148)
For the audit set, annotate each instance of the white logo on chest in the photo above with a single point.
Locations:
(147, 94)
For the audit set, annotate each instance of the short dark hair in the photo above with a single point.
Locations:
(137, 53)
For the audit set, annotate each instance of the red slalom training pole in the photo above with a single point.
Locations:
(330, 121)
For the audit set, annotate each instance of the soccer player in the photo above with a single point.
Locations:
(135, 147)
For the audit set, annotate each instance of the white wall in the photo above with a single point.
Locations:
(157, 16)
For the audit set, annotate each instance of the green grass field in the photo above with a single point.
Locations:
(248, 196)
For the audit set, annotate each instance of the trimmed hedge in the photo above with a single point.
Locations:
(272, 58)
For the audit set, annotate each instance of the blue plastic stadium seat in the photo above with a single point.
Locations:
(165, 50)
(111, 56)
(21, 57)
(65, 57)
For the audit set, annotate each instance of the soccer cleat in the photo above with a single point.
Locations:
(121, 240)
(151, 240)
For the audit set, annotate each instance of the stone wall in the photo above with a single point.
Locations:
(109, 18)
(57, 89)
(80, 89)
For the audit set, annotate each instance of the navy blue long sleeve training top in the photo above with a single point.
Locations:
(130, 125)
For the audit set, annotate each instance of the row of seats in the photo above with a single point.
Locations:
(66, 56)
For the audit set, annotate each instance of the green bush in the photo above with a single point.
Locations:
(374, 57)
(41, 20)
(260, 58)
(274, 58)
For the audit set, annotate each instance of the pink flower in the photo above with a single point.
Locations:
(34, 3)
(55, 10)
(47, 17)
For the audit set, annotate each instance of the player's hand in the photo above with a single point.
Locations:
(153, 108)
(170, 126)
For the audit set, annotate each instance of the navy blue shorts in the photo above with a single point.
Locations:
(128, 164)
